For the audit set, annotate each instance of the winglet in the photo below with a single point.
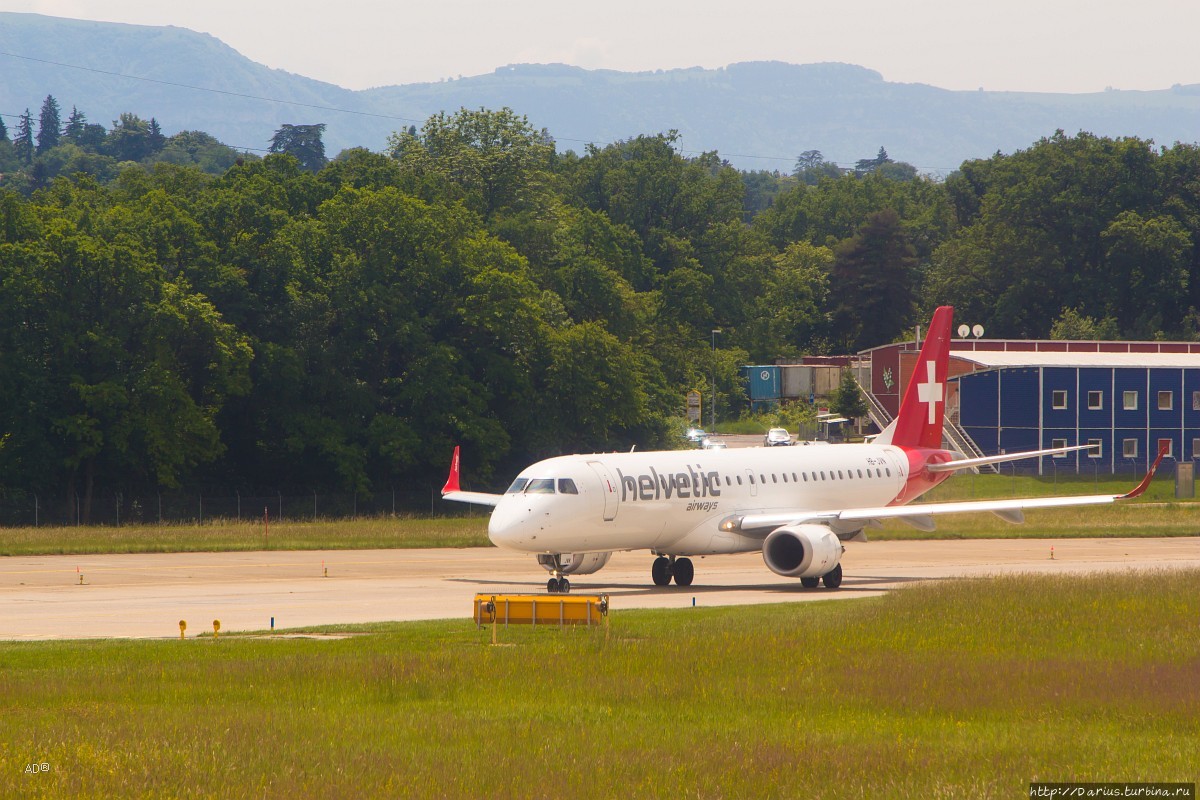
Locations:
(1145, 484)
(452, 480)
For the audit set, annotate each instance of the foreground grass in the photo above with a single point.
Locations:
(967, 688)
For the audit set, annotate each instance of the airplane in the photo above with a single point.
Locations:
(797, 505)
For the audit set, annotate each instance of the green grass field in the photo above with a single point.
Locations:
(229, 536)
(960, 689)
(1155, 514)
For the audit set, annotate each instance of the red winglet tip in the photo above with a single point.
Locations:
(452, 480)
(1145, 484)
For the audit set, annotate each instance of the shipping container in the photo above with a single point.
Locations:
(762, 382)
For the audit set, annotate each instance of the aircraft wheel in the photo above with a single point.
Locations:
(564, 586)
(552, 586)
(833, 579)
(810, 583)
(684, 572)
(660, 571)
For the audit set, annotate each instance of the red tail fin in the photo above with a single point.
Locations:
(919, 423)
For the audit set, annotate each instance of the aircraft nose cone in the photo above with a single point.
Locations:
(506, 526)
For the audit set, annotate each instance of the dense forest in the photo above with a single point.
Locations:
(176, 313)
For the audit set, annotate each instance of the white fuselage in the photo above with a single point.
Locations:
(672, 501)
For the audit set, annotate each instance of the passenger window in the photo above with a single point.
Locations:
(840, 478)
(739, 480)
(860, 473)
(822, 474)
(794, 478)
(785, 477)
(805, 476)
(518, 485)
(540, 486)
(567, 486)
(889, 472)
(774, 478)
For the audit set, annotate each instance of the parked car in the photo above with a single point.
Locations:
(777, 437)
(714, 444)
(695, 435)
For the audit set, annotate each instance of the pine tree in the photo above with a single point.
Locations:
(156, 139)
(48, 125)
(23, 141)
(73, 130)
(3, 131)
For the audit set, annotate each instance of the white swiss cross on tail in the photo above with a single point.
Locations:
(931, 392)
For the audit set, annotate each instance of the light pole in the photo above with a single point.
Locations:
(713, 400)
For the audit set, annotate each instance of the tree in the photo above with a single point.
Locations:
(3, 130)
(809, 159)
(302, 142)
(1071, 325)
(23, 141)
(73, 130)
(48, 125)
(847, 400)
(866, 166)
(874, 274)
(811, 168)
(492, 160)
(129, 139)
(155, 138)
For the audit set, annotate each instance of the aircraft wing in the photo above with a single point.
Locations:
(478, 498)
(452, 491)
(967, 463)
(920, 515)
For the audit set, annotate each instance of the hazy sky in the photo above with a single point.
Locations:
(1031, 45)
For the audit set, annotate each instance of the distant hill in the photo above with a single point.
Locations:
(757, 115)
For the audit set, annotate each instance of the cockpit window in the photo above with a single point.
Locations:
(567, 486)
(518, 485)
(540, 486)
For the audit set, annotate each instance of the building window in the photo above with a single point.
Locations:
(1195, 448)
(1059, 398)
(1130, 401)
(1169, 444)
(1129, 448)
(1095, 448)
(1057, 443)
(1166, 400)
(1095, 401)
(1195, 401)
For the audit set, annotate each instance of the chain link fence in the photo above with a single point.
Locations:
(108, 508)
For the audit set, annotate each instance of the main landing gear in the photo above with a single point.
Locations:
(664, 569)
(832, 579)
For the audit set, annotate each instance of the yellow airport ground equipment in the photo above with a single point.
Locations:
(540, 609)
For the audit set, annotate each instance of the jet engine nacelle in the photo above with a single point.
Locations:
(576, 563)
(802, 551)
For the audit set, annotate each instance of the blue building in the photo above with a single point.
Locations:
(1126, 405)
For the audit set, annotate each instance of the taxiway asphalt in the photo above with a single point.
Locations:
(145, 596)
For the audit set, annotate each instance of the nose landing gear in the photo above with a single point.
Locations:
(558, 584)
(664, 569)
